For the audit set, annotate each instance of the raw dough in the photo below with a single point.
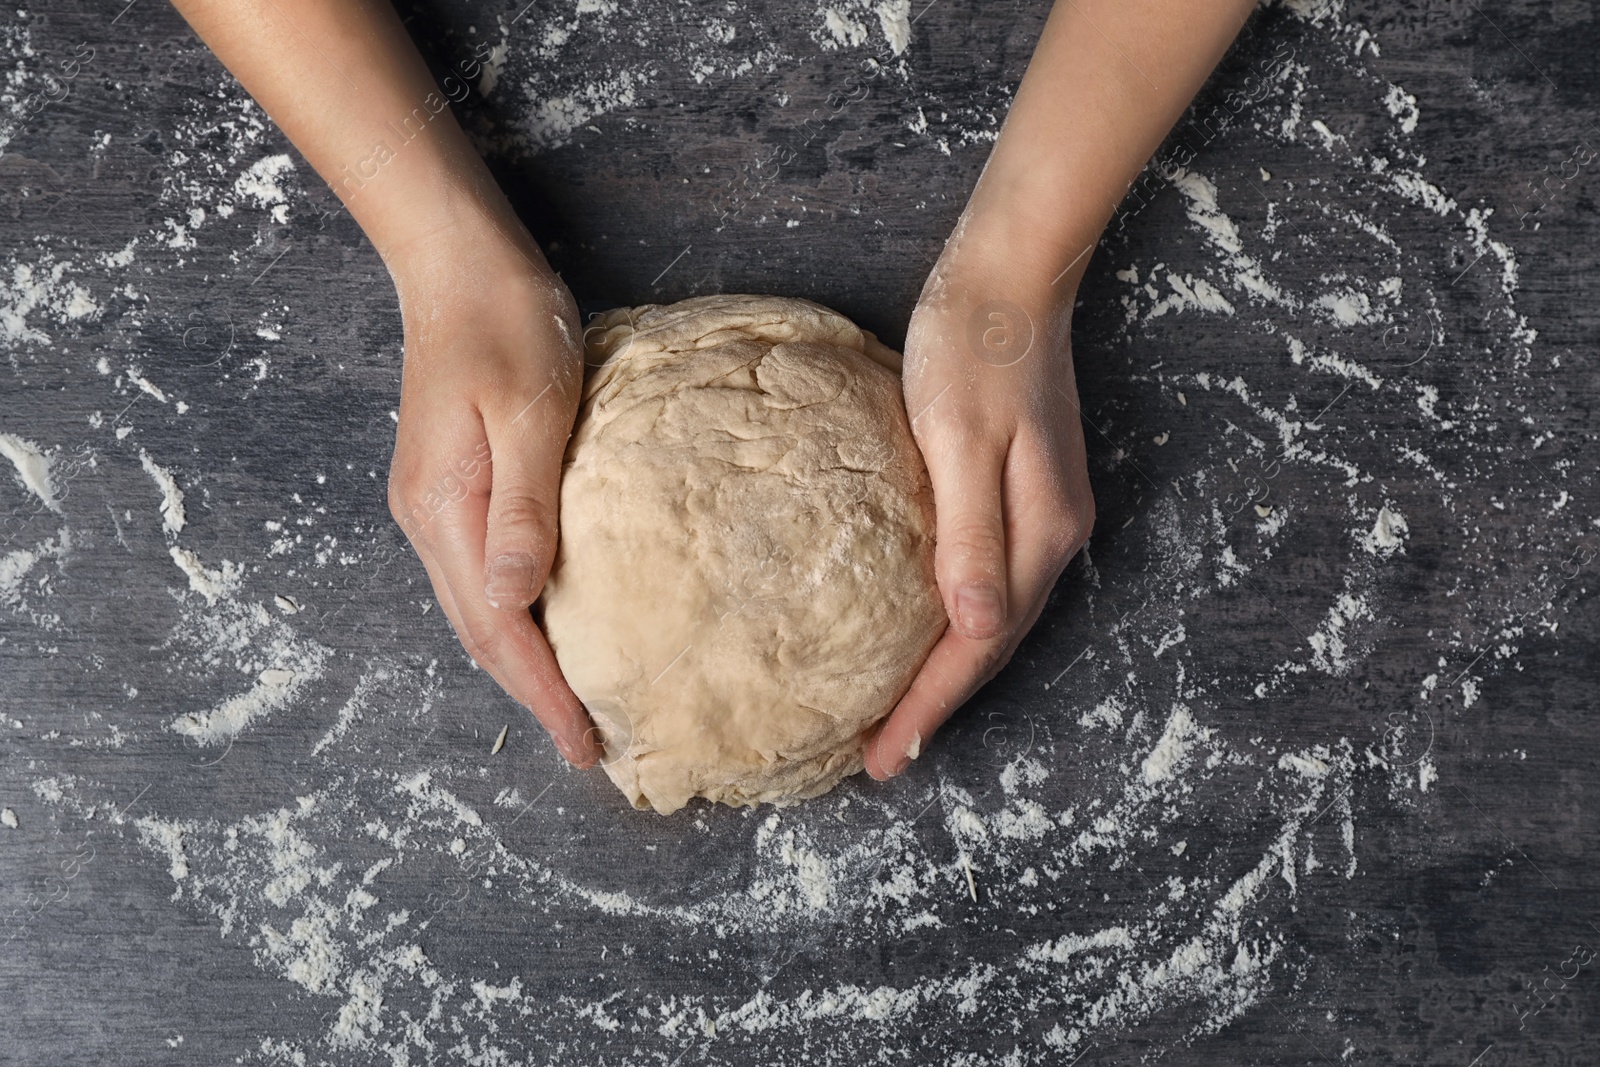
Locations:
(745, 578)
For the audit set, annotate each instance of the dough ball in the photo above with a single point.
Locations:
(744, 582)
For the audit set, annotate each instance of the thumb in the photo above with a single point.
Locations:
(524, 500)
(970, 546)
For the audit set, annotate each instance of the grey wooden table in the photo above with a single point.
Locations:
(1299, 765)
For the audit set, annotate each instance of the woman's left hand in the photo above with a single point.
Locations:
(990, 393)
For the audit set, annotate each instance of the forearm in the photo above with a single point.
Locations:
(1107, 82)
(344, 82)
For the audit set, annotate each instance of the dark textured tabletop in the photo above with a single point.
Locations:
(1299, 765)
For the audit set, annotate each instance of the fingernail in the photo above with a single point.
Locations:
(912, 751)
(510, 581)
(978, 610)
(898, 767)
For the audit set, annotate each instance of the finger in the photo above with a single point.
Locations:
(507, 644)
(515, 653)
(970, 546)
(935, 693)
(938, 692)
(1045, 527)
(526, 446)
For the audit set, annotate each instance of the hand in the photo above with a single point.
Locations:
(1004, 443)
(989, 389)
(492, 380)
(493, 364)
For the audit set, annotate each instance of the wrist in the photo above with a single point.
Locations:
(997, 251)
(434, 201)
(464, 253)
(1031, 228)
(471, 280)
(452, 228)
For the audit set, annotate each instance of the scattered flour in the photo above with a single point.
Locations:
(1173, 748)
(274, 689)
(1388, 533)
(843, 29)
(32, 468)
(1331, 643)
(172, 513)
(1403, 106)
(895, 18)
(259, 184)
(211, 584)
(15, 565)
(41, 289)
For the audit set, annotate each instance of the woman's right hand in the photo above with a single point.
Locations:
(493, 375)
